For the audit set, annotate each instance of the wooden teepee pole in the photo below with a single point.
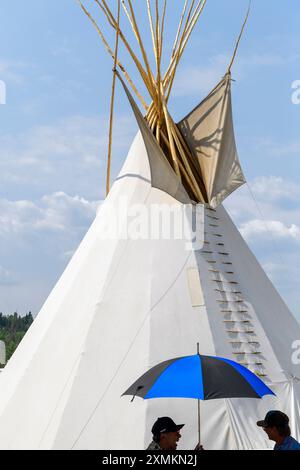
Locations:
(179, 28)
(181, 167)
(146, 79)
(112, 101)
(198, 10)
(171, 140)
(175, 53)
(151, 26)
(159, 86)
(162, 29)
(158, 59)
(109, 50)
(184, 40)
(145, 58)
(186, 163)
(239, 38)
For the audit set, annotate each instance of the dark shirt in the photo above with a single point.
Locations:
(289, 443)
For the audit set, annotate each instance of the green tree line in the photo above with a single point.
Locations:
(12, 329)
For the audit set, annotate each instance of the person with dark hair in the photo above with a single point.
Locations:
(166, 435)
(276, 426)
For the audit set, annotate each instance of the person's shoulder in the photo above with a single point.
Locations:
(289, 443)
(153, 446)
(295, 445)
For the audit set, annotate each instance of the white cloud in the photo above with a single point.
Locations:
(265, 59)
(191, 80)
(270, 223)
(16, 215)
(52, 177)
(270, 211)
(271, 268)
(60, 157)
(67, 255)
(56, 212)
(275, 188)
(9, 70)
(44, 147)
(284, 271)
(62, 212)
(270, 197)
(6, 277)
(37, 240)
(275, 228)
(279, 149)
(61, 50)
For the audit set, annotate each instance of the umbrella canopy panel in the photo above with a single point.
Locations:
(200, 377)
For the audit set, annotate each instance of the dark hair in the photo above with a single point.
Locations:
(284, 431)
(156, 438)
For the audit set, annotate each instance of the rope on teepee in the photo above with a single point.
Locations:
(268, 229)
(134, 339)
(112, 102)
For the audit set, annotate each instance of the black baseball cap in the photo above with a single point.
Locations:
(165, 424)
(274, 418)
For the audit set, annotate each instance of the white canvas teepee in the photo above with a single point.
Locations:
(126, 303)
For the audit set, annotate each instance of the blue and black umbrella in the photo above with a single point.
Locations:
(199, 377)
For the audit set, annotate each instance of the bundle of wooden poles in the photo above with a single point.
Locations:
(157, 83)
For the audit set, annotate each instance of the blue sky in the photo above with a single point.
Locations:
(53, 136)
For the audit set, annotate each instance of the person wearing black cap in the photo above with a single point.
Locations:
(276, 425)
(165, 434)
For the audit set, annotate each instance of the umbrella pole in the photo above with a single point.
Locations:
(199, 427)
